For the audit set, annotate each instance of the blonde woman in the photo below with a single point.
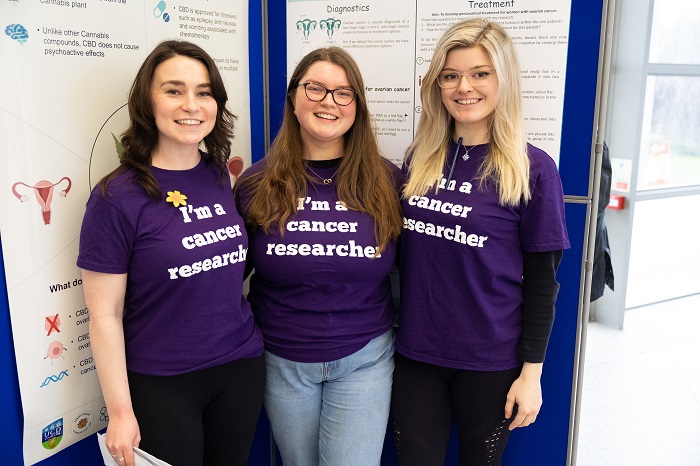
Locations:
(483, 234)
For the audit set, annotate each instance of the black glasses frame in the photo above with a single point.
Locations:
(329, 91)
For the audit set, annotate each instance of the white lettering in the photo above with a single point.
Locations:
(452, 234)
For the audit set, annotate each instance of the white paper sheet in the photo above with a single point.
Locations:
(142, 458)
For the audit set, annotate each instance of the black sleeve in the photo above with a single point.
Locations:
(540, 289)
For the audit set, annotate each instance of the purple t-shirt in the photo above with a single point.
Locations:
(317, 293)
(184, 308)
(461, 262)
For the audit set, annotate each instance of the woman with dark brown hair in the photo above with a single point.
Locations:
(162, 252)
(322, 213)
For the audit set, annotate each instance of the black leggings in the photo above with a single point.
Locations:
(207, 417)
(427, 398)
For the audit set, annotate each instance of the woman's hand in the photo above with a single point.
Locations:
(526, 392)
(121, 438)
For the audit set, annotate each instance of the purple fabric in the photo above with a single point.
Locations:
(318, 296)
(184, 308)
(462, 263)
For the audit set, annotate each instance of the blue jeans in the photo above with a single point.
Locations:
(331, 413)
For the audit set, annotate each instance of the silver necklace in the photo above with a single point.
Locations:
(325, 180)
(466, 154)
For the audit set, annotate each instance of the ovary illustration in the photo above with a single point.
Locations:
(43, 191)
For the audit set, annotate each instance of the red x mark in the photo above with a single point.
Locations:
(52, 324)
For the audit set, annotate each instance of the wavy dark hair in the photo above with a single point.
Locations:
(141, 138)
(364, 180)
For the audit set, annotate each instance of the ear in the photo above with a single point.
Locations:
(292, 98)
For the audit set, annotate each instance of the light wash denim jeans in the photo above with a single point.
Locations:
(331, 413)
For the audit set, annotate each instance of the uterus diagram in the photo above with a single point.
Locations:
(308, 26)
(330, 25)
(43, 192)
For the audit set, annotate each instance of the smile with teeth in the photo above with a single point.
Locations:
(188, 122)
(326, 116)
(468, 101)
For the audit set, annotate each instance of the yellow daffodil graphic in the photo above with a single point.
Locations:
(176, 198)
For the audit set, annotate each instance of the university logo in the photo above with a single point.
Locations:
(52, 434)
(81, 423)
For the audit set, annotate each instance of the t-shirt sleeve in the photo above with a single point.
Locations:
(396, 175)
(543, 225)
(106, 237)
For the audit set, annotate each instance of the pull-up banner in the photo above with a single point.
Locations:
(393, 41)
(67, 69)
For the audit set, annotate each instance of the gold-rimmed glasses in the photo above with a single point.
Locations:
(478, 77)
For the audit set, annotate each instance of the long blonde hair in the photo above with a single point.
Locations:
(507, 162)
(363, 181)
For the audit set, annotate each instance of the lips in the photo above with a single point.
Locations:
(467, 101)
(188, 122)
(326, 116)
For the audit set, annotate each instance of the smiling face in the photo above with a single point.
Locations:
(323, 124)
(183, 105)
(471, 107)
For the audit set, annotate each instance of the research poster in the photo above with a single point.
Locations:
(393, 40)
(67, 69)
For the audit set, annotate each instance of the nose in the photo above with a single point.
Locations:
(464, 84)
(189, 103)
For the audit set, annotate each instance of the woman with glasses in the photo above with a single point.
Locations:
(483, 234)
(322, 212)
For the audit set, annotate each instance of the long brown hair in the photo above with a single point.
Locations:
(363, 181)
(141, 138)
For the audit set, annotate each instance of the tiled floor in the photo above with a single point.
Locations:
(641, 389)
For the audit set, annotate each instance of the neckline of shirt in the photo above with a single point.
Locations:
(324, 164)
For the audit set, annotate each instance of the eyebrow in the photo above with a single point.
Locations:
(470, 69)
(344, 86)
(174, 82)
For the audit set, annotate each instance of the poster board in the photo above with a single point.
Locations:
(62, 104)
(393, 40)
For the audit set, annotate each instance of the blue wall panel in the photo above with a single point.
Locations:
(546, 441)
(277, 57)
(10, 403)
(257, 91)
(579, 96)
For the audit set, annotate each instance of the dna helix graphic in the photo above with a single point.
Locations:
(54, 378)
